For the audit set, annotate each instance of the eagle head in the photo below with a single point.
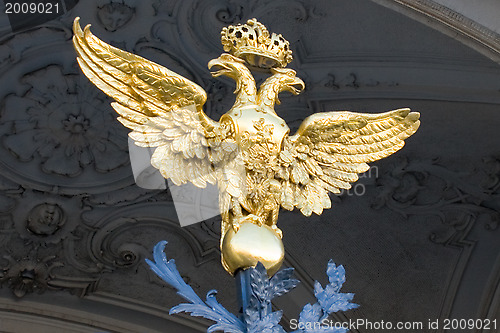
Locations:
(227, 65)
(285, 80)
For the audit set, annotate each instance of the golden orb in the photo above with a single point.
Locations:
(250, 245)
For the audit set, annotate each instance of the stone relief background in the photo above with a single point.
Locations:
(422, 242)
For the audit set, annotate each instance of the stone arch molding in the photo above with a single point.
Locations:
(60, 313)
(475, 35)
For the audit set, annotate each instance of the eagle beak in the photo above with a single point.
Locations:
(220, 67)
(296, 86)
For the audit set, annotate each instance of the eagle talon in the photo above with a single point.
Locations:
(236, 226)
(260, 222)
(277, 231)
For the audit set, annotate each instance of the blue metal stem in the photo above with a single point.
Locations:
(244, 292)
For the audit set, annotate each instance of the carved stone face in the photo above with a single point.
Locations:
(45, 219)
(115, 15)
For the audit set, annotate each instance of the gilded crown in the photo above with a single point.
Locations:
(252, 43)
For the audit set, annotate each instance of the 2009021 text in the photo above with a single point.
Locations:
(32, 8)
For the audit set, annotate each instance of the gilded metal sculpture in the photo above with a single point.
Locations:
(257, 165)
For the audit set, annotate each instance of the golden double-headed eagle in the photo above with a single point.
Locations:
(249, 153)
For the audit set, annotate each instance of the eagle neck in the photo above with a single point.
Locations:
(245, 89)
(268, 92)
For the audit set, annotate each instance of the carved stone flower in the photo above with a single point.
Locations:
(64, 121)
(27, 275)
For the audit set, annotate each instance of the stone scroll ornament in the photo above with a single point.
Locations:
(250, 155)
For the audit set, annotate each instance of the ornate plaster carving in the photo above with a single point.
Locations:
(457, 198)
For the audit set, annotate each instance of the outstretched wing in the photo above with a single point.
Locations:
(331, 148)
(163, 109)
